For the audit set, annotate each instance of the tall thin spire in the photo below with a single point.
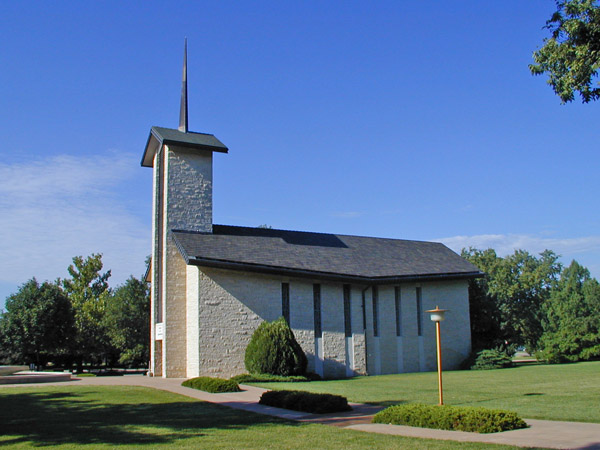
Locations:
(183, 109)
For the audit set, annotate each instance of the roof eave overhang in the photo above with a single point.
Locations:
(327, 276)
(152, 145)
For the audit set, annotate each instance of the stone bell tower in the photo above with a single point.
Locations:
(182, 200)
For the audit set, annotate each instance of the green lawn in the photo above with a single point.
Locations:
(556, 392)
(132, 417)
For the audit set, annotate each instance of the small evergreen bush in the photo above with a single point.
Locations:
(491, 359)
(273, 350)
(305, 401)
(478, 420)
(212, 385)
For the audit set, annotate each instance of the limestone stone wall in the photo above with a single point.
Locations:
(175, 316)
(387, 330)
(230, 305)
(334, 346)
(157, 368)
(358, 332)
(302, 317)
(369, 338)
(193, 324)
(410, 346)
(456, 335)
(189, 190)
(390, 353)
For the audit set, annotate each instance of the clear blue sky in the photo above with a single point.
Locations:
(413, 120)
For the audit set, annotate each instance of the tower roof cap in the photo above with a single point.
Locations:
(167, 136)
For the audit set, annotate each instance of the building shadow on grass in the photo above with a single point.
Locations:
(44, 419)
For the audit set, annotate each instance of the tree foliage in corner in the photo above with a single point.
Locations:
(571, 55)
(38, 324)
(572, 319)
(273, 349)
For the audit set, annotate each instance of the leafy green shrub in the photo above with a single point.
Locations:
(273, 349)
(478, 420)
(551, 355)
(305, 401)
(491, 359)
(562, 346)
(213, 385)
(267, 378)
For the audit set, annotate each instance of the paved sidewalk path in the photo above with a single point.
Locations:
(541, 433)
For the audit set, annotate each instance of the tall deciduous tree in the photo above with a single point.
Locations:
(571, 55)
(522, 284)
(572, 322)
(38, 323)
(485, 314)
(127, 322)
(88, 292)
(513, 293)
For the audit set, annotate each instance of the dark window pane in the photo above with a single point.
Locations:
(285, 301)
(398, 311)
(419, 313)
(347, 312)
(375, 311)
(317, 309)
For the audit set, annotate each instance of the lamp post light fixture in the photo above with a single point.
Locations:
(437, 315)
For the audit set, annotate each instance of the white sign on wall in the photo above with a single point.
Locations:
(159, 331)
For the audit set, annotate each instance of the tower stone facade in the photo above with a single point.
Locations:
(182, 186)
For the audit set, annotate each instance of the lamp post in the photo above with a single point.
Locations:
(437, 315)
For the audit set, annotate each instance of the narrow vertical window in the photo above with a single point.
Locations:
(364, 308)
(317, 309)
(375, 311)
(285, 301)
(398, 311)
(419, 313)
(347, 312)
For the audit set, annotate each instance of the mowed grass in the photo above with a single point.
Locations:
(568, 392)
(134, 417)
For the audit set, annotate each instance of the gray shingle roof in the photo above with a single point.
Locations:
(320, 255)
(198, 141)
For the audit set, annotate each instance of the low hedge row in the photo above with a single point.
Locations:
(479, 420)
(268, 378)
(305, 401)
(212, 385)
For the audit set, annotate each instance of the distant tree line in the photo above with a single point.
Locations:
(78, 320)
(535, 303)
(522, 301)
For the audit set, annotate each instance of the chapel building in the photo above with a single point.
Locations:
(356, 304)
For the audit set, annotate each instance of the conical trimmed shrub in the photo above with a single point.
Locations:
(273, 349)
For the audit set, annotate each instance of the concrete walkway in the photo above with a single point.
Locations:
(541, 433)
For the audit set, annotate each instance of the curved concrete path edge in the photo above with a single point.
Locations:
(541, 433)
